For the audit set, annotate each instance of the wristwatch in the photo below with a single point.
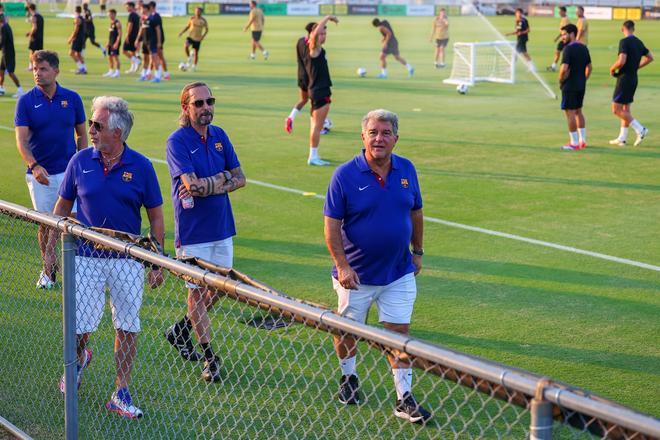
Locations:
(418, 252)
(33, 165)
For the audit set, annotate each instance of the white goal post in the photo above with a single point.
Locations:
(493, 61)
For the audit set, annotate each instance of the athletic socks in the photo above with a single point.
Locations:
(209, 356)
(409, 67)
(574, 137)
(402, 381)
(623, 133)
(383, 71)
(294, 112)
(636, 126)
(183, 327)
(313, 153)
(347, 366)
(554, 66)
(583, 135)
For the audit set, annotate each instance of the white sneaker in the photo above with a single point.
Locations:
(124, 407)
(44, 281)
(618, 142)
(641, 135)
(108, 74)
(2, 91)
(265, 55)
(318, 162)
(252, 56)
(115, 74)
(18, 95)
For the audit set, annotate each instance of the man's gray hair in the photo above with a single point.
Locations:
(119, 117)
(381, 115)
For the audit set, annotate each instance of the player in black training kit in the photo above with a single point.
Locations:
(36, 33)
(390, 47)
(77, 42)
(522, 36)
(573, 74)
(90, 30)
(114, 38)
(8, 59)
(130, 42)
(633, 55)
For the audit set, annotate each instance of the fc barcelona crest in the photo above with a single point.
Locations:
(218, 146)
(127, 177)
(64, 103)
(404, 183)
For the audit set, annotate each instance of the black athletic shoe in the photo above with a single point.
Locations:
(211, 371)
(184, 346)
(349, 388)
(410, 410)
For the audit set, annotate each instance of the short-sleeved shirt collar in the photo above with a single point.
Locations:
(363, 165)
(127, 156)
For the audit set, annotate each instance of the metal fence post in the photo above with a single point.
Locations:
(69, 330)
(540, 427)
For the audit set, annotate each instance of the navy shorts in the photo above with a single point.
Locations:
(572, 100)
(624, 92)
(521, 46)
(256, 35)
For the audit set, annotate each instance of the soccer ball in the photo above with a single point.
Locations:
(327, 124)
(462, 89)
(183, 66)
(361, 72)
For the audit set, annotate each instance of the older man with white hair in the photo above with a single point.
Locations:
(111, 183)
(374, 232)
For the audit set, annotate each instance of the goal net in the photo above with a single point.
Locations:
(493, 61)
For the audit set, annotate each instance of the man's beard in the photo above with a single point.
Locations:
(204, 119)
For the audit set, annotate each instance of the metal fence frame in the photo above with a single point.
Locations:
(550, 400)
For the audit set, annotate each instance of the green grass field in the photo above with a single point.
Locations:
(489, 159)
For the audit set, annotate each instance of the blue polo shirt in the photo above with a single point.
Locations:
(377, 227)
(111, 199)
(52, 124)
(211, 218)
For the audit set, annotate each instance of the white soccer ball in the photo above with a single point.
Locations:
(327, 124)
(361, 72)
(462, 89)
(183, 66)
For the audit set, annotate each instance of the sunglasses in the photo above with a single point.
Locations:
(200, 102)
(97, 125)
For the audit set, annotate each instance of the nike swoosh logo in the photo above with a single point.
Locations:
(362, 188)
(87, 171)
(37, 106)
(194, 151)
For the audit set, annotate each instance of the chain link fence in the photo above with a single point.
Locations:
(279, 373)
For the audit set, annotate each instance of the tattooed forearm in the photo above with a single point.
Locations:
(237, 180)
(204, 186)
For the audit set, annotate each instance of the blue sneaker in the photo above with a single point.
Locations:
(122, 404)
(142, 78)
(81, 368)
(382, 76)
(155, 80)
(411, 72)
(318, 162)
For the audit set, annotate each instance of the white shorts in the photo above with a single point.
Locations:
(44, 197)
(219, 252)
(124, 279)
(394, 301)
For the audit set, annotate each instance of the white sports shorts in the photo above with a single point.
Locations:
(394, 301)
(219, 252)
(124, 279)
(44, 197)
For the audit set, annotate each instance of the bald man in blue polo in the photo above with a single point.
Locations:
(373, 218)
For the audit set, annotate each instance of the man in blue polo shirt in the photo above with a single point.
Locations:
(50, 127)
(111, 183)
(373, 216)
(204, 169)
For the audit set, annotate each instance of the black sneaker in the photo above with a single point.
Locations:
(211, 371)
(184, 346)
(349, 390)
(410, 410)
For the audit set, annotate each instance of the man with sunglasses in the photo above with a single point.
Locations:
(50, 127)
(204, 169)
(111, 183)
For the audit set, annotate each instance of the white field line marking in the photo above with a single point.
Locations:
(560, 247)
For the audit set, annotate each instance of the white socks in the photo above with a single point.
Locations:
(402, 381)
(583, 135)
(554, 66)
(348, 366)
(409, 67)
(623, 133)
(294, 112)
(383, 71)
(313, 153)
(636, 126)
(574, 137)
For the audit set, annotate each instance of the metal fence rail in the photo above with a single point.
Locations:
(278, 383)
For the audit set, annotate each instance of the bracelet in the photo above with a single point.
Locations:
(418, 252)
(32, 167)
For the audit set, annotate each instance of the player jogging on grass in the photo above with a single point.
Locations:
(36, 34)
(255, 23)
(90, 30)
(198, 28)
(114, 38)
(316, 66)
(390, 47)
(130, 46)
(522, 36)
(560, 44)
(574, 72)
(77, 42)
(8, 59)
(633, 55)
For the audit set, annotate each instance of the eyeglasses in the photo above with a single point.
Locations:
(200, 102)
(97, 125)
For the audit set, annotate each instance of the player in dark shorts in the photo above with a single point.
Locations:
(390, 47)
(8, 60)
(563, 21)
(114, 38)
(157, 22)
(129, 47)
(633, 55)
(142, 41)
(36, 33)
(573, 75)
(197, 28)
(77, 42)
(319, 83)
(303, 82)
(522, 36)
(90, 30)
